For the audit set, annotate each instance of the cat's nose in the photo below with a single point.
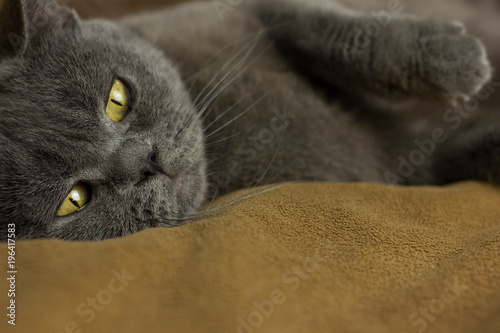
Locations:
(134, 161)
(151, 167)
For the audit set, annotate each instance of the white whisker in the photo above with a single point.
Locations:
(210, 61)
(225, 112)
(215, 143)
(215, 95)
(237, 117)
(248, 53)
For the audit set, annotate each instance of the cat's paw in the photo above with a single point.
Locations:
(454, 65)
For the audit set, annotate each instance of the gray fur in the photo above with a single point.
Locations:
(275, 92)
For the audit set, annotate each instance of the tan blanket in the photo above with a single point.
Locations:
(298, 258)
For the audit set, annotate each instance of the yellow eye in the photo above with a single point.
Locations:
(118, 101)
(76, 200)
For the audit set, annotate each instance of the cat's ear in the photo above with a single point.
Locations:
(25, 22)
(13, 27)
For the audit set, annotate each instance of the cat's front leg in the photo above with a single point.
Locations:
(387, 54)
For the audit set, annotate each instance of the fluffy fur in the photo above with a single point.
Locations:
(277, 91)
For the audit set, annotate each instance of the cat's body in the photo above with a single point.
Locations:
(231, 61)
(289, 128)
(282, 91)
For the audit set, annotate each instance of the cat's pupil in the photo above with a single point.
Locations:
(74, 203)
(117, 103)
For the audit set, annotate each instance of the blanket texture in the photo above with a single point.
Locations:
(297, 258)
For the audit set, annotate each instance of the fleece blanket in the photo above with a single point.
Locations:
(295, 258)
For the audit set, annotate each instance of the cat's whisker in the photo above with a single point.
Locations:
(254, 184)
(217, 93)
(210, 62)
(240, 198)
(248, 52)
(272, 160)
(219, 154)
(219, 209)
(225, 112)
(190, 121)
(195, 76)
(207, 112)
(246, 195)
(214, 159)
(201, 95)
(190, 118)
(236, 117)
(214, 211)
(213, 198)
(215, 143)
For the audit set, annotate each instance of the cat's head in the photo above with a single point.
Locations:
(91, 117)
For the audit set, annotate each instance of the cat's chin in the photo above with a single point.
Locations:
(186, 191)
(180, 181)
(189, 188)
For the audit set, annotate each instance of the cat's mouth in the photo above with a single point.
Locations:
(184, 181)
(177, 180)
(181, 183)
(176, 197)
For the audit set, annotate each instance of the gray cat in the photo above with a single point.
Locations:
(109, 128)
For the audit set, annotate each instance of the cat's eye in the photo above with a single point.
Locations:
(76, 200)
(118, 102)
